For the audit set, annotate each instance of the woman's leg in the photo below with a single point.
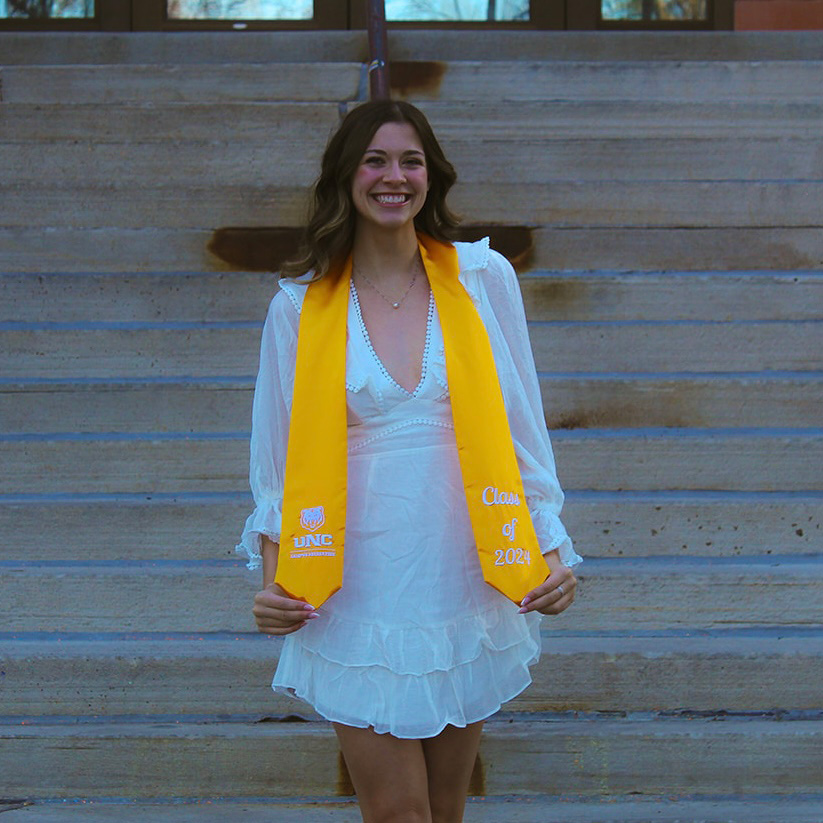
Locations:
(450, 760)
(388, 774)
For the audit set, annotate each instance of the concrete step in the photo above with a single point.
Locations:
(496, 119)
(590, 204)
(183, 296)
(114, 351)
(558, 249)
(142, 674)
(680, 203)
(550, 757)
(571, 402)
(52, 48)
(626, 296)
(653, 249)
(752, 809)
(605, 460)
(682, 347)
(680, 402)
(179, 83)
(503, 164)
(692, 81)
(99, 164)
(242, 123)
(529, 809)
(605, 524)
(550, 296)
(625, 595)
(195, 406)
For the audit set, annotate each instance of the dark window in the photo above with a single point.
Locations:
(47, 9)
(175, 15)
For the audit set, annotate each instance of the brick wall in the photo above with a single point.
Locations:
(756, 15)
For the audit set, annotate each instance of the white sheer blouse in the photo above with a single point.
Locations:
(492, 284)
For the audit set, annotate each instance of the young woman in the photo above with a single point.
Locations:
(416, 439)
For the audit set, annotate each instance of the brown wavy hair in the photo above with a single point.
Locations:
(329, 235)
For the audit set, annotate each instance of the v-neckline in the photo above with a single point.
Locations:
(380, 364)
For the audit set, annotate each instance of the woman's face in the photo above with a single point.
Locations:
(390, 185)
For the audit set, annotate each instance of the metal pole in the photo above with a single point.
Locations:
(378, 50)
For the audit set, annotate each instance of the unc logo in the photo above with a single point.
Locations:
(312, 519)
(308, 540)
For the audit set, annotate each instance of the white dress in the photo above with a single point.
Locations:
(415, 639)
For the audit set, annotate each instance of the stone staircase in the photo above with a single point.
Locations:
(661, 196)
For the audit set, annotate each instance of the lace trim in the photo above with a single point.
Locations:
(253, 558)
(392, 429)
(287, 285)
(473, 256)
(438, 369)
(384, 371)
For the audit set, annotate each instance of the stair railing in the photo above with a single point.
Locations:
(378, 50)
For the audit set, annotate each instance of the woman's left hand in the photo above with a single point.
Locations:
(554, 595)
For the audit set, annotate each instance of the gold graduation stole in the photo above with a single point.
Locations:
(310, 564)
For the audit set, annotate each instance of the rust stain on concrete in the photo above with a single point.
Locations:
(570, 420)
(345, 788)
(561, 294)
(514, 242)
(407, 76)
(477, 784)
(264, 248)
(254, 249)
(668, 413)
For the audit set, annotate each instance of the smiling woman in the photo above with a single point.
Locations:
(406, 497)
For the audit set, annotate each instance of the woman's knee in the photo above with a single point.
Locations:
(396, 810)
(447, 810)
(388, 775)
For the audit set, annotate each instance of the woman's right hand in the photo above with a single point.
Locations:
(275, 613)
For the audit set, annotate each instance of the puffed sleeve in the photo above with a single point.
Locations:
(270, 426)
(509, 336)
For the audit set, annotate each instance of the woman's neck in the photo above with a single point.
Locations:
(385, 255)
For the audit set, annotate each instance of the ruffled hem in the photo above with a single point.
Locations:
(568, 556)
(417, 650)
(265, 519)
(407, 705)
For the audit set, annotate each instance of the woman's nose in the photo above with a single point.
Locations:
(394, 171)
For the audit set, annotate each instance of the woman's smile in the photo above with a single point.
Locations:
(392, 199)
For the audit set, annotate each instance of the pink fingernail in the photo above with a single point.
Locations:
(307, 606)
(523, 611)
(313, 615)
